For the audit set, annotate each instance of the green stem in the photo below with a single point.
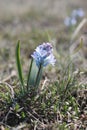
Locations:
(29, 74)
(39, 75)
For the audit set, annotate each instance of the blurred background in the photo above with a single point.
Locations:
(31, 21)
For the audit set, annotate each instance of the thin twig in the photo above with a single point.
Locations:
(9, 77)
(4, 124)
(19, 127)
(6, 117)
(8, 85)
(42, 124)
(44, 83)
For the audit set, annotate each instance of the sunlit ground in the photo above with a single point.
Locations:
(62, 105)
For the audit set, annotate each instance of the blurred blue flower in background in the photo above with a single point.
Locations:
(69, 21)
(78, 13)
(73, 19)
(43, 55)
(74, 13)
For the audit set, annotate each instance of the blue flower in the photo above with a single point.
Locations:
(73, 21)
(69, 21)
(74, 13)
(75, 16)
(43, 55)
(78, 13)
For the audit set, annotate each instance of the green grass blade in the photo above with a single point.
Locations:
(79, 47)
(19, 67)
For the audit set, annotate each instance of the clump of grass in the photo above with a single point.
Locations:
(56, 104)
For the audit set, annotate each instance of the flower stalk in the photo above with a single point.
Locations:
(39, 75)
(28, 79)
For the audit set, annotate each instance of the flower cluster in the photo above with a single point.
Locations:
(78, 13)
(73, 19)
(69, 21)
(43, 55)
